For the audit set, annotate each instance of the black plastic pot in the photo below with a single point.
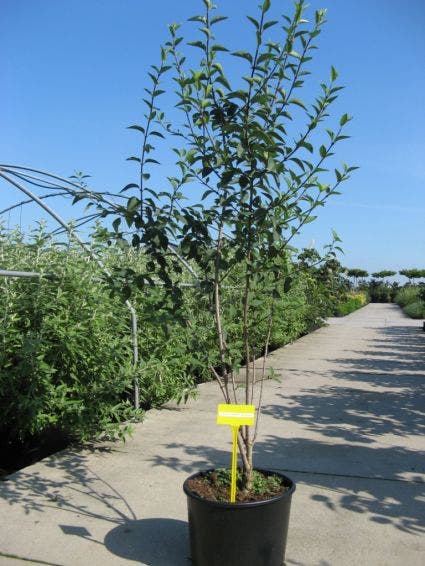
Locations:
(239, 534)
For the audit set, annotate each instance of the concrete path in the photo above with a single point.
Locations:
(347, 423)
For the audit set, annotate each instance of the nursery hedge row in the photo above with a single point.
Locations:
(66, 353)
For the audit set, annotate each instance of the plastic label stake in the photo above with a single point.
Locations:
(235, 416)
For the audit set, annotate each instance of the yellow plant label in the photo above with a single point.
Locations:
(236, 415)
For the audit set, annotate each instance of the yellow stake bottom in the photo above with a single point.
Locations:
(235, 430)
(235, 416)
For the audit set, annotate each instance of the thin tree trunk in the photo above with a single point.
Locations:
(217, 315)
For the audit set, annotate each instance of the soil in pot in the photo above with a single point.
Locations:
(214, 485)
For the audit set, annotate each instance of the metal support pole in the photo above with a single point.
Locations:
(7, 273)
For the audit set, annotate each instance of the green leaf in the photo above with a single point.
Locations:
(222, 80)
(197, 19)
(77, 198)
(206, 171)
(271, 164)
(243, 181)
(298, 102)
(307, 145)
(266, 6)
(334, 74)
(344, 119)
(265, 57)
(335, 236)
(132, 204)
(129, 186)
(287, 284)
(206, 194)
(136, 127)
(218, 47)
(217, 19)
(241, 94)
(199, 44)
(206, 31)
(244, 55)
(299, 162)
(322, 151)
(270, 24)
(254, 21)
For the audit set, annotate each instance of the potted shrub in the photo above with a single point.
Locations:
(252, 178)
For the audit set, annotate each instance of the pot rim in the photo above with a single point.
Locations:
(241, 504)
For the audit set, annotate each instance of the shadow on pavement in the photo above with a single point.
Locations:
(83, 493)
(159, 542)
(386, 393)
(355, 414)
(76, 482)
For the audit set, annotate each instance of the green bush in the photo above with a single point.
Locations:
(412, 300)
(406, 295)
(415, 309)
(351, 303)
(66, 351)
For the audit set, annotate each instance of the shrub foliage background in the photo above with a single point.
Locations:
(65, 357)
(411, 299)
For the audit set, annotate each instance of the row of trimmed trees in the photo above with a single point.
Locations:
(411, 274)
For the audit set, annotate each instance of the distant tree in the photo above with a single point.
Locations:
(355, 273)
(412, 273)
(384, 273)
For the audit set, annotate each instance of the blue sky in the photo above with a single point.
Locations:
(73, 74)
